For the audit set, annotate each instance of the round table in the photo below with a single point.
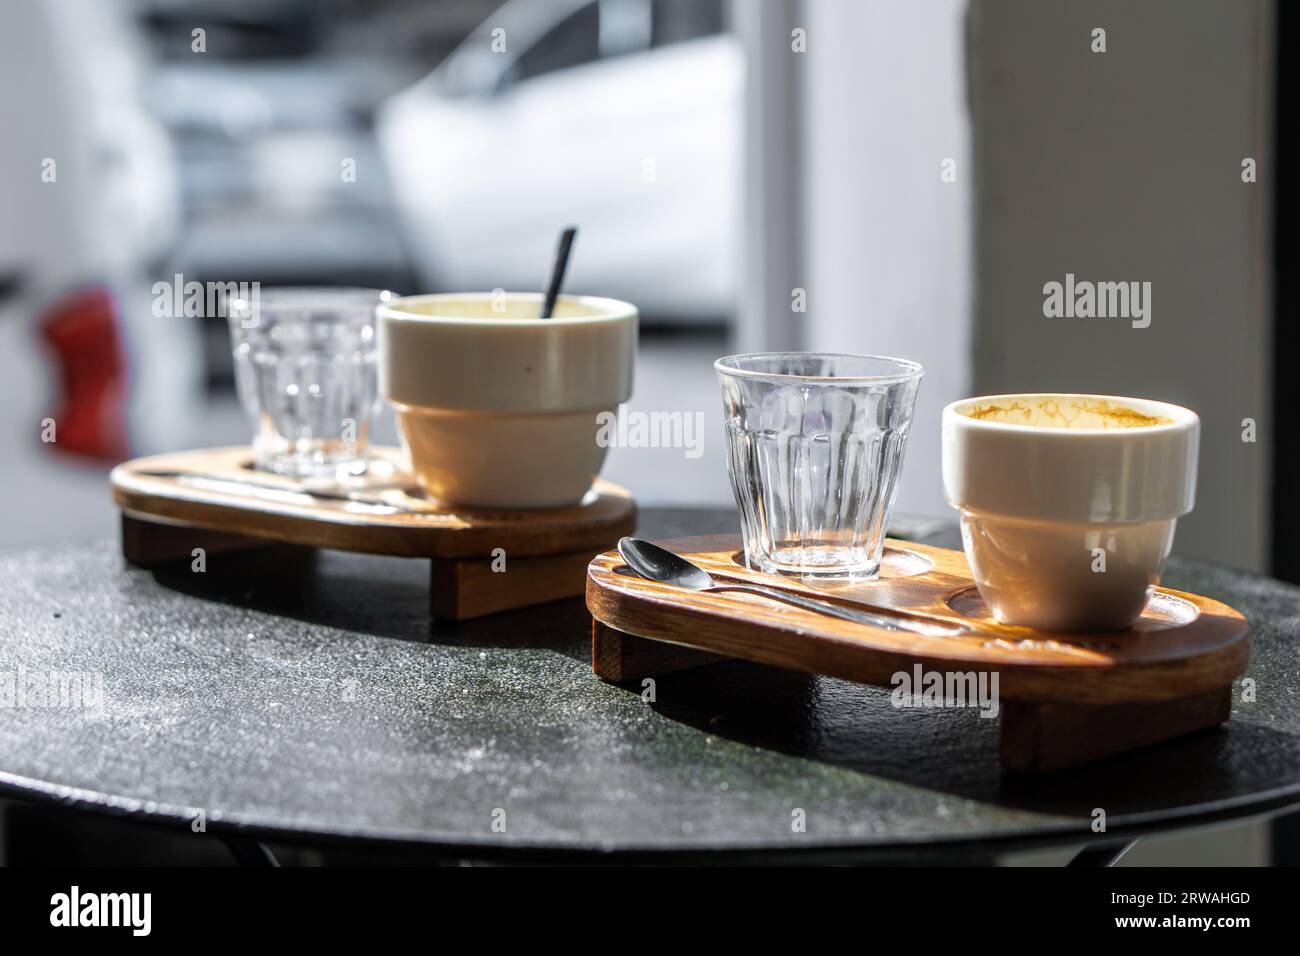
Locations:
(295, 697)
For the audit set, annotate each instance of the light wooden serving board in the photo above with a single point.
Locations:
(212, 498)
(1064, 698)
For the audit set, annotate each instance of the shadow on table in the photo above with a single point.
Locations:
(369, 594)
(389, 597)
(955, 751)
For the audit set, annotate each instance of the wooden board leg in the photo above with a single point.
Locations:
(618, 657)
(470, 587)
(147, 543)
(1042, 736)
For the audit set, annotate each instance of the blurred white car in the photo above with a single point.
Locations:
(619, 116)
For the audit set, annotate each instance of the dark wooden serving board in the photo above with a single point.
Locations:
(1064, 698)
(212, 498)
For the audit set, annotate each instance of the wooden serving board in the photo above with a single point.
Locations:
(1063, 698)
(214, 499)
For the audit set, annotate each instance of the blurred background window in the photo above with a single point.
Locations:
(573, 41)
(677, 20)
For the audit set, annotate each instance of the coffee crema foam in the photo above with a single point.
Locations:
(1070, 413)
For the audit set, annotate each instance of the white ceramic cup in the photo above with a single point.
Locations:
(497, 408)
(1068, 502)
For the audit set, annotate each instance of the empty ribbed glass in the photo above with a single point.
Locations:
(815, 444)
(306, 373)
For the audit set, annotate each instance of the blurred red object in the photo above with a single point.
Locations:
(82, 330)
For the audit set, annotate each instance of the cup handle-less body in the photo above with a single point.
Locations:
(1068, 502)
(1065, 577)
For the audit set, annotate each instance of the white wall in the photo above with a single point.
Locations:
(1123, 165)
(887, 241)
(1126, 165)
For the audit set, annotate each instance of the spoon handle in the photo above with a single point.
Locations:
(888, 622)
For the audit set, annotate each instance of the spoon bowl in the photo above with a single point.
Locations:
(659, 564)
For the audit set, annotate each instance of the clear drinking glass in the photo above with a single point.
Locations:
(814, 447)
(306, 373)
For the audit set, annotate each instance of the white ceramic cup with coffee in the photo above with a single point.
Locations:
(496, 407)
(1068, 502)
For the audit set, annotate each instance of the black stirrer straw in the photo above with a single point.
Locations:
(557, 271)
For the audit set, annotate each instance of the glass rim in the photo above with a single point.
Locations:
(909, 371)
(307, 298)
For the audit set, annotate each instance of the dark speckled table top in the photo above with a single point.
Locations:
(312, 699)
